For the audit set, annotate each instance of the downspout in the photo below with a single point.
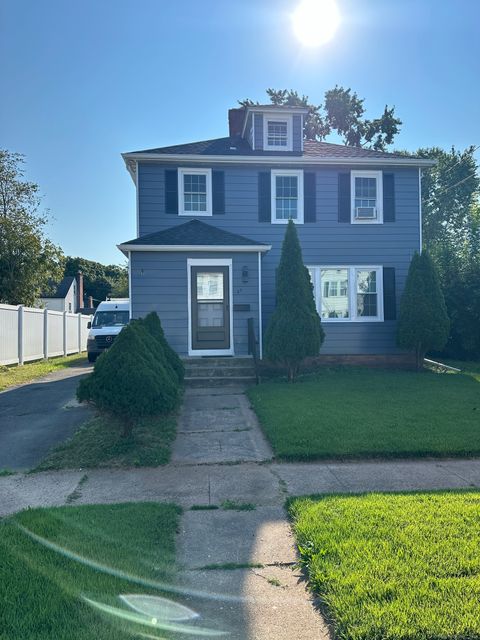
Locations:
(260, 329)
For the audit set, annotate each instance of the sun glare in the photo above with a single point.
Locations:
(315, 21)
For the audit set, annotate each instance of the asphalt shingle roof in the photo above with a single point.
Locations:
(238, 146)
(193, 233)
(61, 290)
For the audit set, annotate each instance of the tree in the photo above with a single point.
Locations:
(423, 323)
(343, 112)
(99, 280)
(130, 380)
(294, 331)
(154, 327)
(28, 259)
(449, 195)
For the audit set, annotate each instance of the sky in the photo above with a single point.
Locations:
(82, 82)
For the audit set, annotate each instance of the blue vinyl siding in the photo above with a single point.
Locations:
(258, 130)
(160, 283)
(297, 133)
(324, 242)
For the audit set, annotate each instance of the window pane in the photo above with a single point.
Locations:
(209, 286)
(277, 134)
(210, 314)
(335, 303)
(195, 192)
(367, 298)
(365, 194)
(286, 197)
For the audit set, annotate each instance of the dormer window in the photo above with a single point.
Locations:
(277, 133)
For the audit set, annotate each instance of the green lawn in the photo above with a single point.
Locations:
(394, 567)
(345, 413)
(99, 444)
(42, 590)
(13, 375)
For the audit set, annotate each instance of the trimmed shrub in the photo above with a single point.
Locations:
(130, 380)
(294, 331)
(423, 323)
(154, 327)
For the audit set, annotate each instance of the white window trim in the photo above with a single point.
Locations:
(378, 175)
(299, 175)
(209, 262)
(181, 192)
(278, 118)
(352, 297)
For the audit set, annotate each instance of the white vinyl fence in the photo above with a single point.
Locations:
(32, 334)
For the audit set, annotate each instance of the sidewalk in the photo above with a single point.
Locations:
(237, 568)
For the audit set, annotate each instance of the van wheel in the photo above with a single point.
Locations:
(92, 357)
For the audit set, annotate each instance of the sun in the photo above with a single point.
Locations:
(315, 21)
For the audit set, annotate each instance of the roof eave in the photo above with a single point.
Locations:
(267, 159)
(252, 248)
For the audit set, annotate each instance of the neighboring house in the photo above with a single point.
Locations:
(67, 295)
(63, 296)
(211, 220)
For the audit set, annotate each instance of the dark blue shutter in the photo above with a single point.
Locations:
(309, 197)
(344, 200)
(171, 191)
(389, 298)
(264, 197)
(218, 193)
(388, 197)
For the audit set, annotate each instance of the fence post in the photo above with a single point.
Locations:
(20, 334)
(64, 333)
(79, 332)
(45, 334)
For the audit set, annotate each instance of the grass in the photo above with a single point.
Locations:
(7, 472)
(42, 590)
(395, 567)
(14, 375)
(99, 444)
(353, 413)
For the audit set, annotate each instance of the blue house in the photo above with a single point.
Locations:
(211, 219)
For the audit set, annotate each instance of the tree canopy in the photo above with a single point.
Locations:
(28, 259)
(342, 112)
(99, 280)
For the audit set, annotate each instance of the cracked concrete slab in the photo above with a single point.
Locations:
(222, 536)
(49, 489)
(244, 482)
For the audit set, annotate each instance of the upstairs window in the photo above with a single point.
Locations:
(367, 197)
(195, 192)
(287, 196)
(277, 133)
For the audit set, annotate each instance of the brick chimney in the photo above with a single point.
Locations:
(235, 121)
(79, 290)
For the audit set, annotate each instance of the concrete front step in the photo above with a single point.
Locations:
(219, 372)
(213, 361)
(208, 381)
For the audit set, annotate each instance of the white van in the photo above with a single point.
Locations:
(109, 319)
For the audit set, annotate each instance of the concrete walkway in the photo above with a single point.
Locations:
(237, 568)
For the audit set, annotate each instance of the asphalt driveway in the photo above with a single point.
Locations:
(39, 415)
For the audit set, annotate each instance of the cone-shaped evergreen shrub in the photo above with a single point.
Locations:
(154, 327)
(294, 331)
(129, 380)
(423, 323)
